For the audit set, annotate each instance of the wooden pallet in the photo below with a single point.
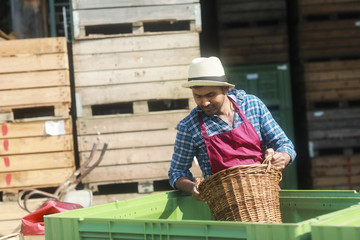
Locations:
(136, 143)
(332, 80)
(255, 45)
(230, 11)
(96, 18)
(336, 171)
(34, 75)
(329, 39)
(252, 32)
(132, 70)
(36, 154)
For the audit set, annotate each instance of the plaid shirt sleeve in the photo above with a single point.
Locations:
(272, 136)
(184, 152)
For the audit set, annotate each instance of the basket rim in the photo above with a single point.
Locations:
(262, 165)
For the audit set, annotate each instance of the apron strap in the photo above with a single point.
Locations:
(238, 110)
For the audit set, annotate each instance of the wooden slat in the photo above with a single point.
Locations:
(252, 16)
(253, 32)
(130, 93)
(36, 178)
(37, 161)
(129, 140)
(30, 129)
(41, 96)
(253, 49)
(156, 121)
(331, 8)
(136, 43)
(335, 94)
(334, 114)
(132, 173)
(36, 145)
(328, 85)
(34, 79)
(334, 133)
(136, 14)
(88, 4)
(128, 60)
(341, 52)
(132, 155)
(246, 6)
(311, 2)
(328, 161)
(26, 63)
(334, 181)
(127, 76)
(331, 65)
(332, 75)
(34, 46)
(12, 211)
(253, 41)
(347, 170)
(255, 59)
(128, 173)
(336, 143)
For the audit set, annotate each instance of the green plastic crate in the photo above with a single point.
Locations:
(175, 216)
(344, 225)
(270, 82)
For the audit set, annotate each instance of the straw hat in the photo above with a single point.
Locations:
(206, 72)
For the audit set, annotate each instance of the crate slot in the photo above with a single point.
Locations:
(113, 108)
(109, 29)
(34, 112)
(167, 26)
(165, 105)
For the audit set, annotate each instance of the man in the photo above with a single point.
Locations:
(227, 128)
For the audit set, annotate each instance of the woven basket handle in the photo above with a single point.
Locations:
(268, 161)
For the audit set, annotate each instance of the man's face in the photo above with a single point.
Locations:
(209, 99)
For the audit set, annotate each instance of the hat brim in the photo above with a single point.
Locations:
(206, 83)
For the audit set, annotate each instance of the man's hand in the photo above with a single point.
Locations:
(279, 159)
(188, 186)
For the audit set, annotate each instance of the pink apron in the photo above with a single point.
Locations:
(239, 146)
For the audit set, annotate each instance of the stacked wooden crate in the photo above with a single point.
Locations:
(36, 140)
(252, 32)
(130, 60)
(329, 40)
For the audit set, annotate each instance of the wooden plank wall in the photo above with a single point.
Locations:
(36, 137)
(329, 43)
(121, 75)
(252, 32)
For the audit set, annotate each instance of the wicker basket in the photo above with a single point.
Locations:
(246, 193)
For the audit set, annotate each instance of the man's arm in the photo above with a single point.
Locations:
(279, 159)
(189, 187)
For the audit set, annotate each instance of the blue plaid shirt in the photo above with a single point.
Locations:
(189, 141)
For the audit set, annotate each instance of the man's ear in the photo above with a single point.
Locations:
(225, 89)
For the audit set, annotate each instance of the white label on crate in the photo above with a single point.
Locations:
(252, 76)
(311, 149)
(357, 24)
(318, 114)
(55, 128)
(282, 67)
